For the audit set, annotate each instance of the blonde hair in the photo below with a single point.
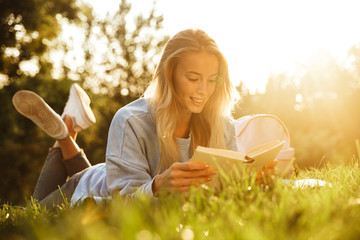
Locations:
(207, 127)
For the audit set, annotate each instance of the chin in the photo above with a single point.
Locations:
(198, 110)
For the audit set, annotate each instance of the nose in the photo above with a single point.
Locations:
(202, 87)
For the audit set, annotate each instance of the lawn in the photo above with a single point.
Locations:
(242, 210)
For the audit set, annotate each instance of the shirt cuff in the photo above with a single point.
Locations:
(148, 188)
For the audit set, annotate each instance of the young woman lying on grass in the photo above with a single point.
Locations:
(187, 104)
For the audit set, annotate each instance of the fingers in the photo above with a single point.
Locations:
(192, 169)
(271, 164)
(267, 172)
(189, 166)
(178, 174)
(179, 182)
(183, 185)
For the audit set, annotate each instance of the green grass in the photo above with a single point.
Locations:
(242, 210)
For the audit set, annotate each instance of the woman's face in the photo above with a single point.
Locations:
(195, 79)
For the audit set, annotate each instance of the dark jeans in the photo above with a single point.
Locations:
(58, 172)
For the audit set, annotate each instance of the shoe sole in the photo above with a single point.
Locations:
(32, 106)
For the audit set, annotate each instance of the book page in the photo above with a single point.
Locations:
(231, 164)
(264, 153)
(227, 165)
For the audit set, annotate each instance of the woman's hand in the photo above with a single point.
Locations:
(180, 176)
(267, 172)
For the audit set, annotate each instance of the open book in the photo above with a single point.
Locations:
(227, 162)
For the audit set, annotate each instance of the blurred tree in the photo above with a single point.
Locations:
(121, 52)
(354, 63)
(25, 27)
(126, 65)
(318, 103)
(112, 80)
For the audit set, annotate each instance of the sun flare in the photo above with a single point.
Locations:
(260, 38)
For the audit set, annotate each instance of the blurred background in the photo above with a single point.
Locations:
(298, 60)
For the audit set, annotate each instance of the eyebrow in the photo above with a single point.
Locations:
(200, 74)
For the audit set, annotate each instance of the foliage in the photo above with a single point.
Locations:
(133, 47)
(23, 146)
(119, 73)
(318, 103)
(25, 27)
(243, 210)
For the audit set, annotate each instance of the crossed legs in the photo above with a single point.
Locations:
(65, 162)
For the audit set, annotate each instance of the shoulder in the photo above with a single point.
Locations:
(137, 109)
(229, 124)
(229, 133)
(135, 113)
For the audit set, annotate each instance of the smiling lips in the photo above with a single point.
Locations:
(197, 100)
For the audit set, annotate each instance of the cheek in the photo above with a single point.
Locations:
(211, 89)
(183, 88)
(178, 85)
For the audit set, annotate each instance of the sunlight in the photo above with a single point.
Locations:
(30, 67)
(3, 80)
(263, 37)
(260, 38)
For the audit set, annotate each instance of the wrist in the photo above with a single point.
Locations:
(155, 186)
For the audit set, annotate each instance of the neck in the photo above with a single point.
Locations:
(182, 129)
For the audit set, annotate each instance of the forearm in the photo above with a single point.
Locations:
(132, 192)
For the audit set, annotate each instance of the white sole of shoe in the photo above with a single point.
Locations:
(32, 106)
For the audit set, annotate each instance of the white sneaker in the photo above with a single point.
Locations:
(78, 108)
(32, 106)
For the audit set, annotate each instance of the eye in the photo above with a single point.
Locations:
(213, 79)
(193, 78)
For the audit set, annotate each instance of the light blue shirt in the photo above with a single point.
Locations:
(133, 154)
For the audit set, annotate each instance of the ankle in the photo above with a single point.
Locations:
(56, 144)
(70, 126)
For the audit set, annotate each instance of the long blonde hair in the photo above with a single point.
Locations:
(207, 127)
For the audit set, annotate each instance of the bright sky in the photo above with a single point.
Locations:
(260, 37)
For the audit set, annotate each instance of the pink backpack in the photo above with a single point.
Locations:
(256, 129)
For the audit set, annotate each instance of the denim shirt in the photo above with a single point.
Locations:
(133, 153)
